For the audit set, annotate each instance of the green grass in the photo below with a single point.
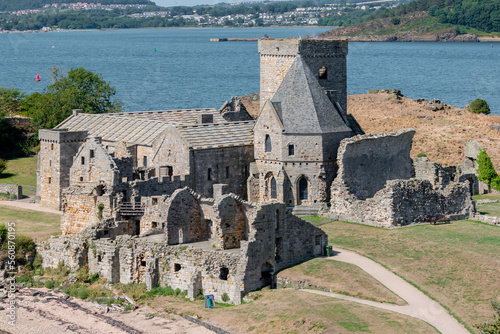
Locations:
(458, 264)
(316, 220)
(291, 311)
(21, 171)
(38, 225)
(340, 277)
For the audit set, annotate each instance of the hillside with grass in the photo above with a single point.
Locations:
(428, 21)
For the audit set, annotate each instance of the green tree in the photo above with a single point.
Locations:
(485, 170)
(79, 89)
(479, 106)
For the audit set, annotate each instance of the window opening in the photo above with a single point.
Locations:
(323, 73)
(209, 174)
(177, 266)
(291, 149)
(274, 194)
(92, 155)
(303, 189)
(268, 143)
(224, 272)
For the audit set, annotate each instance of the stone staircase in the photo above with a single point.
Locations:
(306, 210)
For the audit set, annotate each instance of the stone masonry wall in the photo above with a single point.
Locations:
(14, 189)
(367, 162)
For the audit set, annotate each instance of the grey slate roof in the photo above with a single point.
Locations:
(134, 127)
(179, 116)
(217, 134)
(303, 106)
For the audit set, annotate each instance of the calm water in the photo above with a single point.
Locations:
(188, 71)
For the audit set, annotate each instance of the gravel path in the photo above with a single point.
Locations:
(25, 204)
(419, 305)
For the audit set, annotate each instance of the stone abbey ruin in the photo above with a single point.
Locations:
(203, 200)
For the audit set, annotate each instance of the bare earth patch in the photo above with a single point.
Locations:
(342, 278)
(80, 316)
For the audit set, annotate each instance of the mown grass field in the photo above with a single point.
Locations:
(341, 277)
(458, 264)
(293, 311)
(21, 171)
(38, 225)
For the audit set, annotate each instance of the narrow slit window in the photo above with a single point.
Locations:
(83, 160)
(209, 174)
(268, 143)
(323, 73)
(92, 154)
(291, 149)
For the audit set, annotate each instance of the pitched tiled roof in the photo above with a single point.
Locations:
(217, 134)
(180, 116)
(134, 127)
(302, 104)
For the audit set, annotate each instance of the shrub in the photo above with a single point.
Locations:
(3, 233)
(83, 293)
(479, 106)
(225, 297)
(49, 284)
(486, 172)
(396, 21)
(3, 165)
(421, 155)
(494, 326)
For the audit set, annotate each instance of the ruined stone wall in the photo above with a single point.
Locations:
(278, 240)
(232, 223)
(57, 149)
(71, 251)
(81, 210)
(228, 165)
(367, 162)
(439, 176)
(13, 189)
(183, 219)
(403, 202)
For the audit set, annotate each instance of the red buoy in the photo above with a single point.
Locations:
(37, 77)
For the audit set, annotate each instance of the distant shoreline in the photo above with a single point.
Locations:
(152, 28)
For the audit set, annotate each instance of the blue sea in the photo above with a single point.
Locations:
(157, 69)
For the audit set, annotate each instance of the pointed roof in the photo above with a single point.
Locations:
(302, 104)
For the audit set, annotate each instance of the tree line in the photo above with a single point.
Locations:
(482, 15)
(77, 89)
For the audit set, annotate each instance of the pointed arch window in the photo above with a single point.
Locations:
(274, 193)
(303, 185)
(268, 144)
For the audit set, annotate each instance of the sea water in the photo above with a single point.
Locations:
(158, 69)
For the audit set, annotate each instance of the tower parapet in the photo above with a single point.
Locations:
(325, 58)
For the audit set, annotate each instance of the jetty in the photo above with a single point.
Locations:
(234, 39)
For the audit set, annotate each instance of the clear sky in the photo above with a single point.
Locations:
(168, 3)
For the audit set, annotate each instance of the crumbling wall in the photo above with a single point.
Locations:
(367, 189)
(367, 162)
(70, 251)
(235, 111)
(232, 223)
(183, 218)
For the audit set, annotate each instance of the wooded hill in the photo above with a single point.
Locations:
(428, 16)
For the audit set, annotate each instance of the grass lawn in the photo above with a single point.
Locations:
(38, 225)
(21, 171)
(458, 264)
(489, 209)
(292, 311)
(341, 277)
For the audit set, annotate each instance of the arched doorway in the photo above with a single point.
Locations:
(267, 275)
(303, 192)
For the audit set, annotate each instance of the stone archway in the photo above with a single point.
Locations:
(302, 190)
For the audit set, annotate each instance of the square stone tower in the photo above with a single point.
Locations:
(302, 121)
(57, 149)
(325, 58)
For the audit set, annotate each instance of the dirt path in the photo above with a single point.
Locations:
(25, 204)
(419, 305)
(45, 314)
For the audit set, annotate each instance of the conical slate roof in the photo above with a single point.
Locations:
(302, 104)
